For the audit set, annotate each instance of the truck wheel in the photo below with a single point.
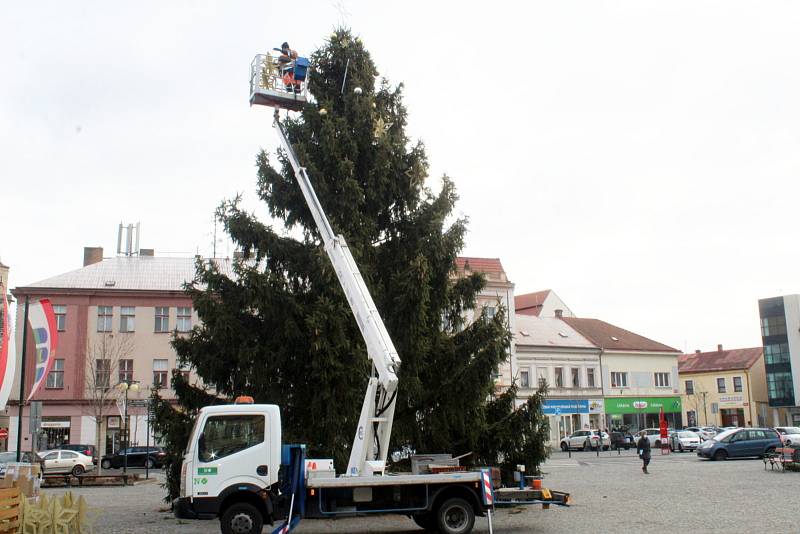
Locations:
(455, 516)
(241, 518)
(425, 521)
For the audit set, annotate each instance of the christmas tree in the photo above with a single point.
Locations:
(281, 331)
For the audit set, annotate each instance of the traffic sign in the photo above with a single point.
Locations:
(3, 433)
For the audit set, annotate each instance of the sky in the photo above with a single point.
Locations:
(639, 158)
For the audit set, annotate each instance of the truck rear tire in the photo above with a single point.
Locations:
(241, 518)
(455, 516)
(426, 521)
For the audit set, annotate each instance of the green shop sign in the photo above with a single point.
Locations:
(643, 405)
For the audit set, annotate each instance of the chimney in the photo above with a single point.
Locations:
(559, 313)
(92, 255)
(697, 351)
(719, 348)
(147, 252)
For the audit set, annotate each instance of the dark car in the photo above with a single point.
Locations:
(88, 450)
(137, 457)
(622, 440)
(740, 443)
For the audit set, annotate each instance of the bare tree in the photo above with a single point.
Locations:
(103, 357)
(697, 401)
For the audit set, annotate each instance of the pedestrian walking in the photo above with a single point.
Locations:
(643, 445)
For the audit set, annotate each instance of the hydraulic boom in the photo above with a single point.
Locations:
(371, 442)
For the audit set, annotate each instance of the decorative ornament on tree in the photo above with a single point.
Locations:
(323, 111)
(357, 90)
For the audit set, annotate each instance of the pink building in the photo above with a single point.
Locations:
(115, 319)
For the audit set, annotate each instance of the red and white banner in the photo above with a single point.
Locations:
(45, 335)
(8, 356)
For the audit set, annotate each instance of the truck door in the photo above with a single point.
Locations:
(232, 450)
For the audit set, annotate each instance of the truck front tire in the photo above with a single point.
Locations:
(241, 518)
(455, 516)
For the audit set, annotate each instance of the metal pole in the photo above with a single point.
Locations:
(147, 447)
(22, 378)
(125, 437)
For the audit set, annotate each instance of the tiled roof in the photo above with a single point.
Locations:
(719, 360)
(479, 265)
(610, 337)
(547, 332)
(530, 303)
(147, 273)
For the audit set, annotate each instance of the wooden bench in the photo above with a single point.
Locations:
(782, 457)
(69, 480)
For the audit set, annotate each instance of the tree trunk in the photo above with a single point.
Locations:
(97, 442)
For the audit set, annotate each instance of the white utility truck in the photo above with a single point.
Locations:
(236, 467)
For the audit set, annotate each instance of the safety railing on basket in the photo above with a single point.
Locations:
(268, 72)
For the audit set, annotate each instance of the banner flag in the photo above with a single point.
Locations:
(8, 356)
(45, 335)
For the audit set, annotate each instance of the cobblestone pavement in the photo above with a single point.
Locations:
(611, 495)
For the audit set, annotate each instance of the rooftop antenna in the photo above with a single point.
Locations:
(131, 243)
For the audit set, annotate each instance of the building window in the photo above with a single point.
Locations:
(590, 377)
(780, 386)
(737, 384)
(541, 375)
(773, 326)
(661, 380)
(60, 312)
(184, 319)
(559, 377)
(160, 368)
(105, 315)
(524, 379)
(576, 379)
(689, 387)
(184, 369)
(126, 371)
(491, 311)
(102, 374)
(721, 385)
(691, 418)
(619, 380)
(777, 353)
(162, 319)
(55, 379)
(127, 319)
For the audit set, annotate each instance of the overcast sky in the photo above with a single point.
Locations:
(639, 158)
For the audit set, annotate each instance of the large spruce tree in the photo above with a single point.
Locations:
(280, 328)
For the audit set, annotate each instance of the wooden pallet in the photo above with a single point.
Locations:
(9, 509)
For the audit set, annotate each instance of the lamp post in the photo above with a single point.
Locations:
(126, 386)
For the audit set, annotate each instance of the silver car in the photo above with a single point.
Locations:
(684, 440)
(63, 461)
(585, 440)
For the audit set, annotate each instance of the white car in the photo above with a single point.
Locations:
(585, 440)
(789, 434)
(705, 432)
(654, 436)
(62, 461)
(684, 440)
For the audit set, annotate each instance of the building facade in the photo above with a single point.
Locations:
(724, 387)
(541, 304)
(780, 338)
(638, 376)
(115, 318)
(550, 350)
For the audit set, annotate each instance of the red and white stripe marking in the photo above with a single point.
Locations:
(488, 495)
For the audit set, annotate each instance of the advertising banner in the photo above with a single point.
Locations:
(565, 406)
(8, 356)
(45, 336)
(632, 405)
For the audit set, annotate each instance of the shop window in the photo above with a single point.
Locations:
(55, 379)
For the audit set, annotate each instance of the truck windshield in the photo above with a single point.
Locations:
(224, 435)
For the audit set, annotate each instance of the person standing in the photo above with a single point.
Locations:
(643, 447)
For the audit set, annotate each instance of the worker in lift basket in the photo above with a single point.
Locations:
(286, 59)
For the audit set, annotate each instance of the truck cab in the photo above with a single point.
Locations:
(231, 464)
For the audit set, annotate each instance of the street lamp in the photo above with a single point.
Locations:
(134, 387)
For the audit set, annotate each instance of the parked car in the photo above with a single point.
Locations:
(88, 450)
(585, 440)
(63, 461)
(622, 440)
(740, 443)
(705, 432)
(684, 440)
(151, 457)
(789, 434)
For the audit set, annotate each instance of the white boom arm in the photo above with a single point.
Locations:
(371, 442)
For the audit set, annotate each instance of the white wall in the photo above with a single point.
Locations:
(640, 368)
(791, 305)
